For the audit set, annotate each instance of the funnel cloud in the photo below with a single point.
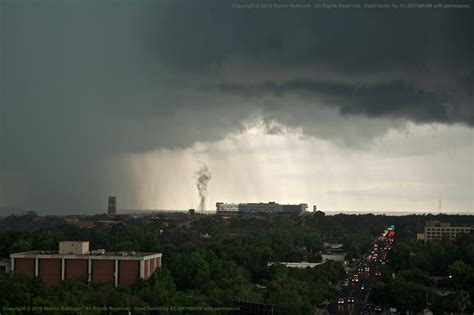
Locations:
(203, 177)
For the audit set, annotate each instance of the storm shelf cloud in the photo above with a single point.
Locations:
(84, 83)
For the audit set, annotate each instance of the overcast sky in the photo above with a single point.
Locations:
(346, 109)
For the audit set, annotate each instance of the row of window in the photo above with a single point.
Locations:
(449, 229)
(443, 232)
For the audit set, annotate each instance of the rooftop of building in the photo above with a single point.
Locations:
(436, 223)
(80, 249)
(91, 254)
(259, 203)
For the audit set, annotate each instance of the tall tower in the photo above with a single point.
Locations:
(112, 208)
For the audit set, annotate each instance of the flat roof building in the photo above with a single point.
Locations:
(271, 208)
(436, 230)
(75, 261)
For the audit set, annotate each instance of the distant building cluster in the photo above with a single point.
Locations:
(436, 230)
(112, 217)
(74, 260)
(90, 224)
(251, 209)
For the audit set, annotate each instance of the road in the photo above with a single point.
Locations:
(353, 298)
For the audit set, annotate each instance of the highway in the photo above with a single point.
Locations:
(353, 298)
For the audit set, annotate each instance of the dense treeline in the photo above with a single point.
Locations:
(439, 273)
(211, 261)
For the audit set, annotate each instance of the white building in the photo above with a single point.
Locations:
(269, 208)
(300, 265)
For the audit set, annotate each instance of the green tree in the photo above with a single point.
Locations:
(400, 256)
(460, 274)
(158, 290)
(416, 275)
(462, 301)
(192, 271)
(405, 296)
(21, 245)
(289, 296)
(313, 242)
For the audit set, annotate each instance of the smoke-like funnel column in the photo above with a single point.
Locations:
(203, 178)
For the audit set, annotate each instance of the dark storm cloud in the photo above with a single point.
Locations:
(84, 81)
(417, 65)
(393, 99)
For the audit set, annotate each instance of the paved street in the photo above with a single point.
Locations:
(353, 298)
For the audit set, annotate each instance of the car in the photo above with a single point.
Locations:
(378, 274)
(355, 279)
(378, 308)
(351, 300)
(368, 308)
(340, 301)
(367, 269)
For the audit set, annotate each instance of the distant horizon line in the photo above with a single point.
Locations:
(328, 212)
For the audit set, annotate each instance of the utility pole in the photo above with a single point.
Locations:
(439, 203)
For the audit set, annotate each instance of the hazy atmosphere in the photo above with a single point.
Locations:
(132, 98)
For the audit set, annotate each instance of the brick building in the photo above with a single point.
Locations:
(112, 206)
(75, 261)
